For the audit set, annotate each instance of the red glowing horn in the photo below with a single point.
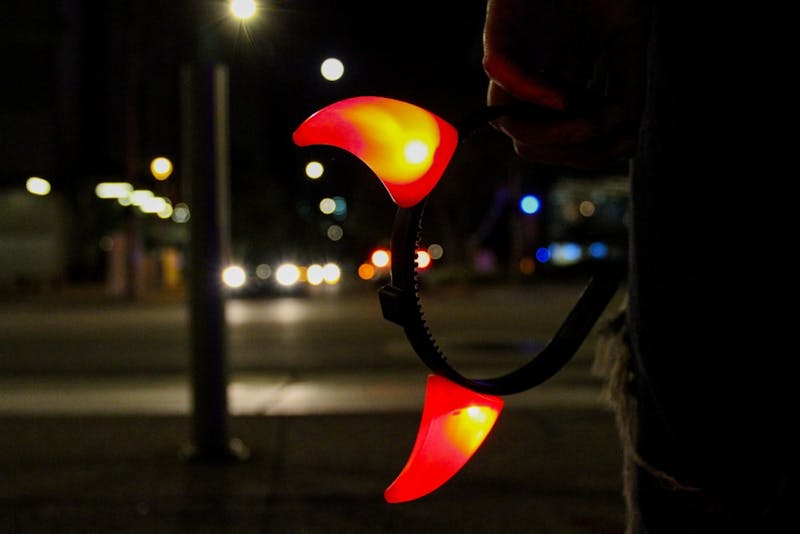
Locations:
(455, 422)
(407, 147)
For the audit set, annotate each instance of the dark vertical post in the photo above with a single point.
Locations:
(205, 167)
(133, 82)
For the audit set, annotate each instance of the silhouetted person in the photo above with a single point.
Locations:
(703, 97)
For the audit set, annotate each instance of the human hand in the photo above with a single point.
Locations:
(583, 57)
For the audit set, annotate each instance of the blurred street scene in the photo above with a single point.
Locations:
(176, 273)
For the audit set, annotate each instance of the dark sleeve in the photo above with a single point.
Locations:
(712, 280)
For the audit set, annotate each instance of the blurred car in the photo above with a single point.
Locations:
(286, 278)
(377, 268)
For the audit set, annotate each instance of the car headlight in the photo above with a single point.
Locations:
(234, 276)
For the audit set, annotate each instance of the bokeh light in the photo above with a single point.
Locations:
(180, 213)
(234, 276)
(380, 258)
(113, 189)
(543, 254)
(243, 9)
(527, 265)
(335, 232)
(263, 271)
(288, 274)
(314, 169)
(332, 69)
(436, 251)
(37, 186)
(327, 206)
(598, 250)
(314, 274)
(565, 253)
(423, 259)
(529, 204)
(161, 168)
(331, 273)
(366, 271)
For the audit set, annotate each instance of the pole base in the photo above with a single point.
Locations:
(235, 451)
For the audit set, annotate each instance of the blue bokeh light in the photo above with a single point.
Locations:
(565, 253)
(598, 250)
(543, 255)
(529, 204)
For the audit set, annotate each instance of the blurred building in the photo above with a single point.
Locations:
(85, 101)
(92, 94)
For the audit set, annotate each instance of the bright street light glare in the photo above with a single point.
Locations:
(332, 69)
(380, 258)
(138, 197)
(314, 169)
(288, 274)
(234, 276)
(113, 189)
(153, 205)
(423, 259)
(243, 9)
(161, 168)
(37, 186)
(314, 274)
(327, 206)
(331, 273)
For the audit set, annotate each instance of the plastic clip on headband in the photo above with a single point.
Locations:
(409, 148)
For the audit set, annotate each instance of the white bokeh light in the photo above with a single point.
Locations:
(37, 186)
(314, 169)
(234, 276)
(332, 69)
(243, 9)
(314, 274)
(327, 206)
(288, 274)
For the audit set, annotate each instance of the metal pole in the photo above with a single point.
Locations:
(205, 168)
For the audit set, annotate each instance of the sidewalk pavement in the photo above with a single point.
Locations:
(322, 450)
(102, 455)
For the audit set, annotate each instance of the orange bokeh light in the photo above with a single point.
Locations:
(366, 271)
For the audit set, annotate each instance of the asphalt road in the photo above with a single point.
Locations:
(480, 328)
(286, 356)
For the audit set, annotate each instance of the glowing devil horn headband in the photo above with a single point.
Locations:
(409, 148)
(406, 147)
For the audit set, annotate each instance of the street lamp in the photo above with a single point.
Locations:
(243, 9)
(205, 168)
(37, 186)
(332, 69)
(314, 169)
(161, 168)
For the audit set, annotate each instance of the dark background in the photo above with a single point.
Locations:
(91, 93)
